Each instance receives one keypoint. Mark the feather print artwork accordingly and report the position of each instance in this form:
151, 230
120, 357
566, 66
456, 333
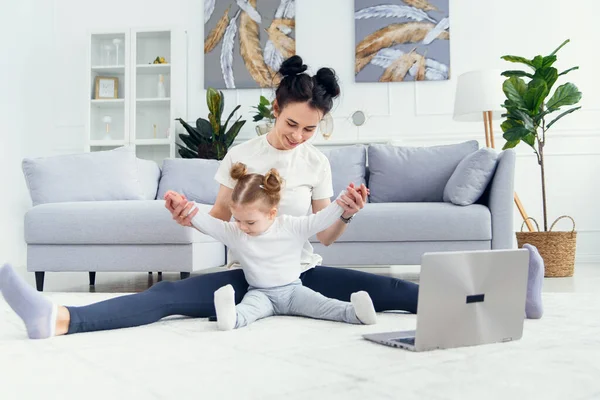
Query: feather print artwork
401, 40
209, 7
251, 50
435, 32
286, 9
215, 36
227, 53
393, 11
273, 57
251, 11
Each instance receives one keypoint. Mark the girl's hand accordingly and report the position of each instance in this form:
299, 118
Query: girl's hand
180, 208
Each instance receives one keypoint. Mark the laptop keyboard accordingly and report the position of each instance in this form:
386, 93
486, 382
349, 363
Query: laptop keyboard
405, 340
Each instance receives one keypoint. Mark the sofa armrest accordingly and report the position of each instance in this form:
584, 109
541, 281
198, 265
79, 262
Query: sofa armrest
501, 199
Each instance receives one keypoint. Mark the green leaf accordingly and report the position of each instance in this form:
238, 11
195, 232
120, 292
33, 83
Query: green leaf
205, 128
537, 62
221, 105
549, 74
523, 117
517, 59
189, 142
565, 95
510, 124
193, 132
568, 70
537, 90
257, 117
213, 100
510, 144
264, 101
186, 153
529, 139
224, 127
514, 89
516, 73
233, 132
516, 134
562, 115
548, 61
559, 47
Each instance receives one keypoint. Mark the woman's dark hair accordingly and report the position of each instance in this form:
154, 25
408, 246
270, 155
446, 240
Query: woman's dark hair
296, 86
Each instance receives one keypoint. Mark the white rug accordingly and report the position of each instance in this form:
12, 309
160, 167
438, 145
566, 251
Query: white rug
295, 358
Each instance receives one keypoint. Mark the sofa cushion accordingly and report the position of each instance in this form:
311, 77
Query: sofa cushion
413, 174
149, 175
348, 164
192, 177
471, 177
417, 222
95, 176
108, 222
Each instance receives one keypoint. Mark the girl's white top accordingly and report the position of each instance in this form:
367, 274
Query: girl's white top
273, 258
306, 173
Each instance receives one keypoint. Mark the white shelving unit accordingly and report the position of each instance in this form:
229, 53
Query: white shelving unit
139, 116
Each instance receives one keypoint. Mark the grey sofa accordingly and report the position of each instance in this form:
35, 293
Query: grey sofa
130, 230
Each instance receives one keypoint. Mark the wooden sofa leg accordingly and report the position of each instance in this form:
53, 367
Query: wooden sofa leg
184, 275
39, 281
92, 278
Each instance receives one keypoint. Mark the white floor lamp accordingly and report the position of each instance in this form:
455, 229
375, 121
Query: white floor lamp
479, 97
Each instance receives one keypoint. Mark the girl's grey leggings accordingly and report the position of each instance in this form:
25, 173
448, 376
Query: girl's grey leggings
292, 299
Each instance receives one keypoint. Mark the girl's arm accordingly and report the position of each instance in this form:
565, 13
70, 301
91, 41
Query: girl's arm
225, 232
310, 225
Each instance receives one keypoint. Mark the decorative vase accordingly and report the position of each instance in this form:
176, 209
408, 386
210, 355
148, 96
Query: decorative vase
556, 248
161, 91
263, 128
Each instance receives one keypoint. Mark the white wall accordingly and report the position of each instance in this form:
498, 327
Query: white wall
413, 113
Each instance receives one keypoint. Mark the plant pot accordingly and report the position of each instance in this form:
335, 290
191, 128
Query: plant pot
556, 248
263, 128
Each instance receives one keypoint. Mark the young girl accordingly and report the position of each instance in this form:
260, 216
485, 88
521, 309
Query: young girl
269, 247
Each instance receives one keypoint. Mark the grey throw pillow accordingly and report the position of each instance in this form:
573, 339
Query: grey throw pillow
95, 176
192, 177
149, 174
413, 174
348, 164
471, 177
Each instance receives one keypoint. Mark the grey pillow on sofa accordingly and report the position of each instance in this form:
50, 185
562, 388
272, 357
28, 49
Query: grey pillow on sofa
471, 177
94, 176
192, 177
348, 164
413, 174
149, 175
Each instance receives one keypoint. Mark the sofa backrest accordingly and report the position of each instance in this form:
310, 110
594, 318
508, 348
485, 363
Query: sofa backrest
348, 164
413, 174
95, 176
192, 177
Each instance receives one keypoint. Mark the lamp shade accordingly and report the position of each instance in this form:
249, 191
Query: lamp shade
479, 91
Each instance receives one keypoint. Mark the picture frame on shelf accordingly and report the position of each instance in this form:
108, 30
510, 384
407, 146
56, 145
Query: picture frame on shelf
106, 87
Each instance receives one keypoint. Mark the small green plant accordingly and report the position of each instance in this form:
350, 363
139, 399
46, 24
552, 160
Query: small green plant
527, 106
264, 110
210, 139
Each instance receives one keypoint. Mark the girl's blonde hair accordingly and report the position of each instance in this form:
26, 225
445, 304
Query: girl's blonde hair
256, 187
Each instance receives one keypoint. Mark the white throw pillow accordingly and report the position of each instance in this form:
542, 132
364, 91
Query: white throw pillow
94, 176
471, 177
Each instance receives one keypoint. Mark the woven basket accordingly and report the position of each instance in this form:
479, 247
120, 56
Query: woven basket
556, 248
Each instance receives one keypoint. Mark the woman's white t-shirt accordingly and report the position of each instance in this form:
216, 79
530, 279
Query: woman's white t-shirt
306, 173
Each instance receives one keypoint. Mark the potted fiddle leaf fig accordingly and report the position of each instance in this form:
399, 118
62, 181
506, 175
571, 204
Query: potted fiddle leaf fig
210, 138
532, 108
264, 110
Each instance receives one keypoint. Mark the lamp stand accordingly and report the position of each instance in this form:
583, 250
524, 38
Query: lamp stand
489, 142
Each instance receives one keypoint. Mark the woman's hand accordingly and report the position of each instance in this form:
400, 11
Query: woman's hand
354, 200
180, 208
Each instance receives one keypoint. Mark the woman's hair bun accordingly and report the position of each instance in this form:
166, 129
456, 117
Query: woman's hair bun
292, 66
326, 77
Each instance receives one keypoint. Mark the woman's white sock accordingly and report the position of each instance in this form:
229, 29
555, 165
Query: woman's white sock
37, 312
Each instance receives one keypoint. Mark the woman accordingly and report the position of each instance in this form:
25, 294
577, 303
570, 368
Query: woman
301, 102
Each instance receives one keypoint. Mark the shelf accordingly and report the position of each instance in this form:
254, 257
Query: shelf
153, 68
157, 100
103, 143
152, 142
109, 69
107, 103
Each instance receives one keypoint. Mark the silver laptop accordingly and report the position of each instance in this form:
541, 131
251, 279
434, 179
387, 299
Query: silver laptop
466, 298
